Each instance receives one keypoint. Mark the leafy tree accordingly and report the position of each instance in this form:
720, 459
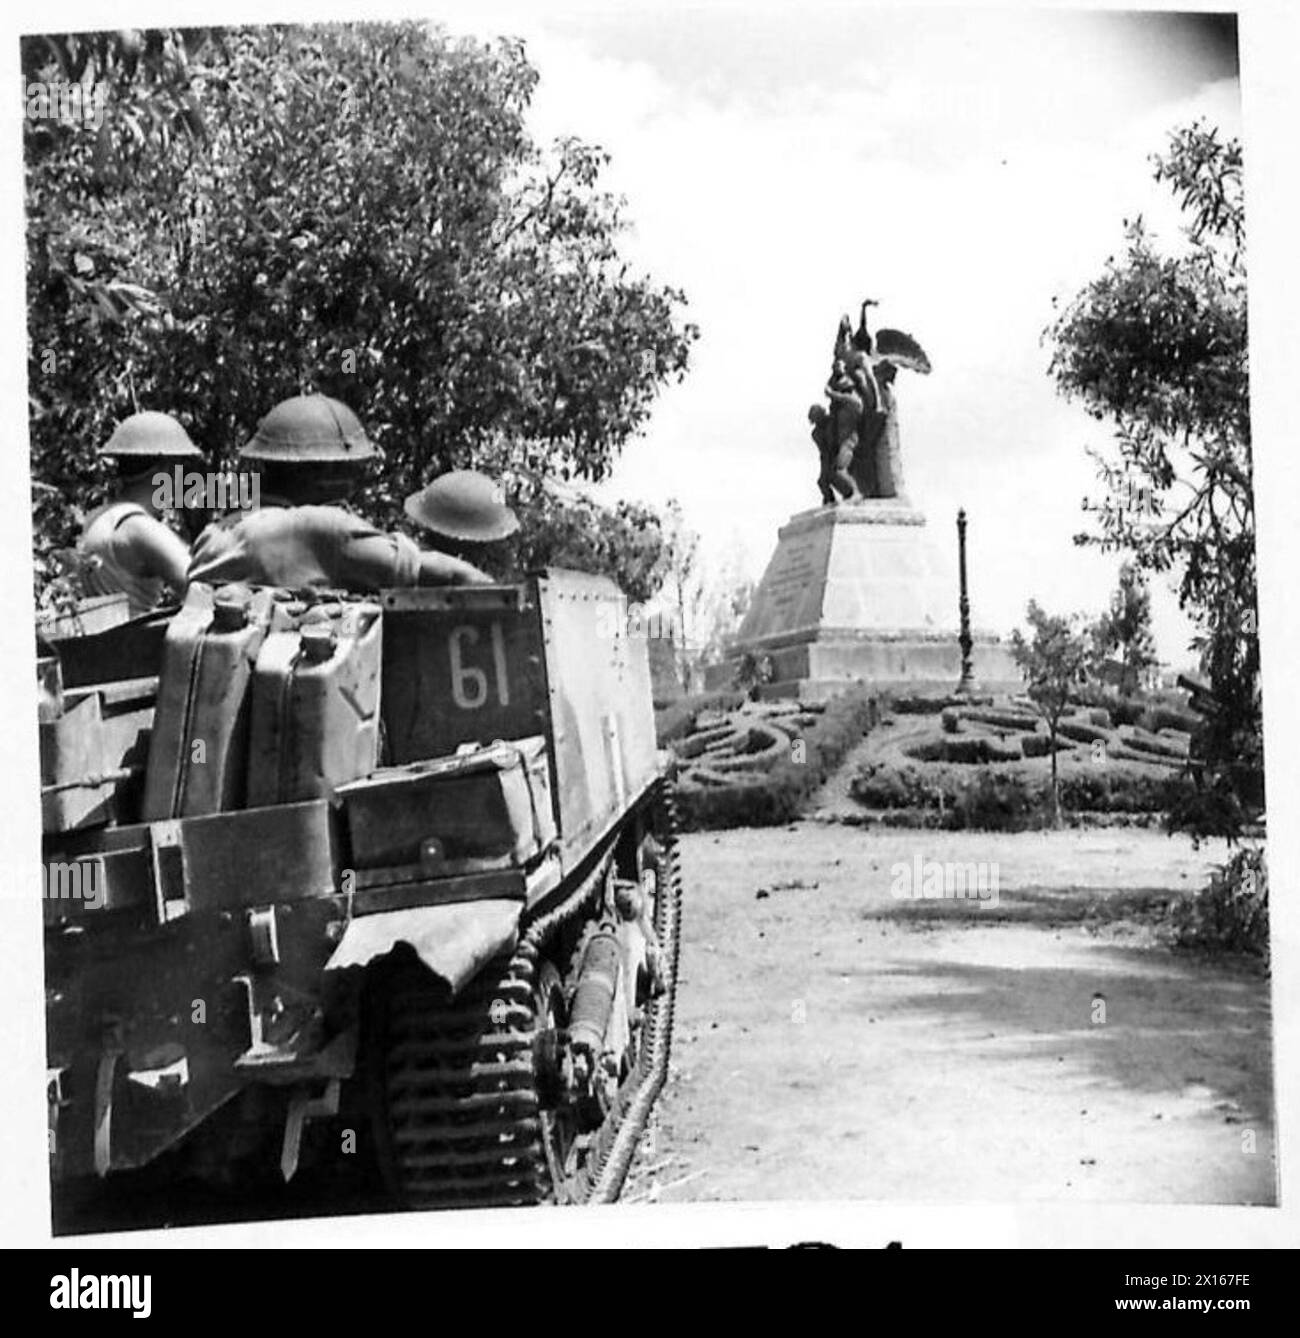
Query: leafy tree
624, 541
358, 210
1125, 629
1052, 660
734, 596
686, 588
1156, 346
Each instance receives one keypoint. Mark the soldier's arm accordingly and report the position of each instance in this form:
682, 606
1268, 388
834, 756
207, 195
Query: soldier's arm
440, 569
155, 550
370, 560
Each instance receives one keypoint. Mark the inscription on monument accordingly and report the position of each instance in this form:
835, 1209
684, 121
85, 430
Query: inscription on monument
789, 584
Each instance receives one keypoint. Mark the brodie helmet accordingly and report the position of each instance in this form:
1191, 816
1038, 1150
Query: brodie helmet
463, 505
310, 428
150, 435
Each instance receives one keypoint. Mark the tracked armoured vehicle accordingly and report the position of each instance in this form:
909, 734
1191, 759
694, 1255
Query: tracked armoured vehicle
390, 876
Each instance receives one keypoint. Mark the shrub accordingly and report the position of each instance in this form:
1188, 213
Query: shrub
779, 796
924, 705
842, 726
703, 740
1080, 732
1039, 745
758, 747
1122, 710
1142, 742
678, 720
740, 804
886, 787
1231, 912
950, 720
1086, 790
1158, 718
1017, 720
999, 802
1136, 792
753, 670
1207, 808
966, 751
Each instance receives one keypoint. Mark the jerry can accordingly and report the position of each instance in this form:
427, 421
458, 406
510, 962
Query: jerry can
199, 747
315, 712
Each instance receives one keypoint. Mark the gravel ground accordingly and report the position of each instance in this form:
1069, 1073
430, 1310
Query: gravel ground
836, 1042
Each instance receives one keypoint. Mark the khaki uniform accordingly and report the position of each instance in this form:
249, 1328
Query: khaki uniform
298, 547
111, 537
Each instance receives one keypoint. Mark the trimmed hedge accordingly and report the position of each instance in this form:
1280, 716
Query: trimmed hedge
678, 720
1000, 800
923, 705
1079, 732
1123, 710
779, 796
886, 787
1019, 720
1159, 718
1143, 742
968, 751
1039, 745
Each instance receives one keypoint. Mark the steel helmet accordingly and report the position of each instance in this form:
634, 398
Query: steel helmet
150, 435
310, 428
463, 505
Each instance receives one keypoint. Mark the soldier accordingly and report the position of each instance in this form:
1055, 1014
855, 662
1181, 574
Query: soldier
132, 550
462, 511
311, 452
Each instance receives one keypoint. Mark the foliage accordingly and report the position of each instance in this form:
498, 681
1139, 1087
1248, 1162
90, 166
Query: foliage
676, 721
1157, 347
684, 587
753, 670
358, 210
1231, 911
969, 751
780, 795
1039, 745
1052, 661
1125, 629
995, 802
923, 705
1001, 798
624, 541
1118, 709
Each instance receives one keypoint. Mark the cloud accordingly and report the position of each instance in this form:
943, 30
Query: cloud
962, 168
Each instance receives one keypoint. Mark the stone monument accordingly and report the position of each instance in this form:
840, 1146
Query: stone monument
855, 590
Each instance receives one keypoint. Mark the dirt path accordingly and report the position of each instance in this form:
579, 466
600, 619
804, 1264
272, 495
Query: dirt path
835, 1042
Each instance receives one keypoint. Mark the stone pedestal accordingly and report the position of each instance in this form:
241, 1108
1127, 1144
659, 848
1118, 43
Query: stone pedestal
856, 592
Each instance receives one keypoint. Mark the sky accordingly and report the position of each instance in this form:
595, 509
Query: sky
964, 167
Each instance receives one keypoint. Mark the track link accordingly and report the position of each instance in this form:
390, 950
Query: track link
463, 1081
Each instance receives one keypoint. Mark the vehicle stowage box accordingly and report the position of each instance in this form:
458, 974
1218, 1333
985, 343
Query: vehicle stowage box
315, 708
483, 806
198, 750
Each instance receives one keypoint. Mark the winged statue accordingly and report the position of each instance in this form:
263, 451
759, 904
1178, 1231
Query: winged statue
857, 435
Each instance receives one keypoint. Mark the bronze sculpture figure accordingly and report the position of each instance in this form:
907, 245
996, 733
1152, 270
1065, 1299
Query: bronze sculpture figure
857, 437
